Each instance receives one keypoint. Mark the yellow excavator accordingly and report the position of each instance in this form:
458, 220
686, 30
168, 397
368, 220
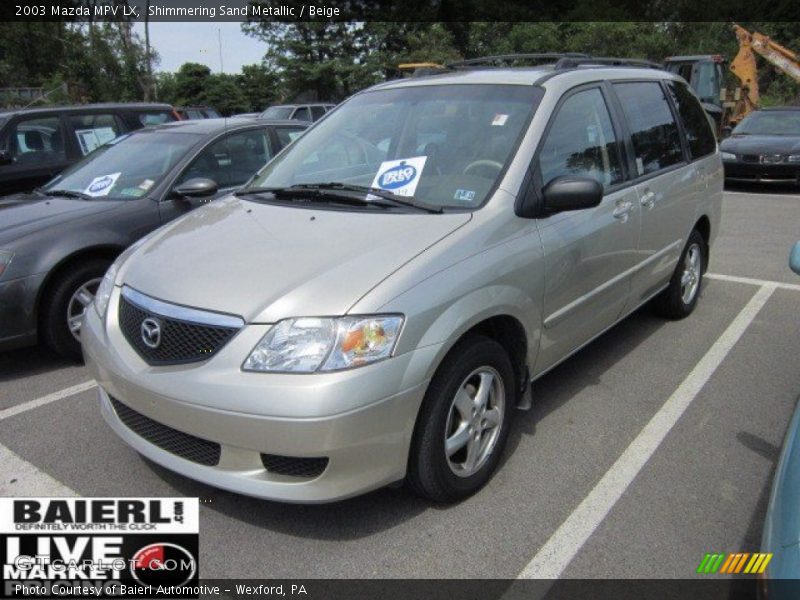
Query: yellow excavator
706, 76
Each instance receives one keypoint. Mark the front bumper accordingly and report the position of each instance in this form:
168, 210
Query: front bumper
18, 311
739, 170
356, 419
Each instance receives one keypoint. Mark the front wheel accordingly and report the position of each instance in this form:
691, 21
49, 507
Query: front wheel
680, 298
70, 296
463, 423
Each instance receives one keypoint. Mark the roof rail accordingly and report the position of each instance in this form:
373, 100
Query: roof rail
572, 62
490, 61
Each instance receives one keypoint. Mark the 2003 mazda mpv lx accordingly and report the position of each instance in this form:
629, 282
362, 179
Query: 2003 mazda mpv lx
375, 303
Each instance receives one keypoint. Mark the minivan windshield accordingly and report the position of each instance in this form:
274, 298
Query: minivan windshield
126, 167
778, 122
445, 145
277, 112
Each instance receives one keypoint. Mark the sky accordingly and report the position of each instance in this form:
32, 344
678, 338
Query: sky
178, 43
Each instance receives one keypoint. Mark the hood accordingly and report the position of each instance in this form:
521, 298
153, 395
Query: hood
761, 144
22, 214
265, 262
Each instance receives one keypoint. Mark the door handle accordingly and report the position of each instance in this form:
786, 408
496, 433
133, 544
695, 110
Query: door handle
649, 199
621, 211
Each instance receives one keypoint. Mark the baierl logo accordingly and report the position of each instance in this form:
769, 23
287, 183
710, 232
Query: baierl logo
397, 177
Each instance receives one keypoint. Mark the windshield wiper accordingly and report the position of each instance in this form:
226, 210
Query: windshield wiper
305, 194
372, 191
65, 193
341, 192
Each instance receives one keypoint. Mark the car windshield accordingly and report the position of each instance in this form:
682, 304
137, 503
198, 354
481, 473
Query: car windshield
445, 145
277, 112
779, 122
126, 167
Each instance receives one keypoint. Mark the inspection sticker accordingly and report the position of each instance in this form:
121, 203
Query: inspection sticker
400, 176
101, 186
499, 120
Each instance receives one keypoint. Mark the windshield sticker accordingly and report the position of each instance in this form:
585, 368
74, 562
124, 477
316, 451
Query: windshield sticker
464, 195
132, 192
146, 184
400, 176
101, 186
499, 120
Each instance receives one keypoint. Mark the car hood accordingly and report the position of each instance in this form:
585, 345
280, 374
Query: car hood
265, 262
22, 214
761, 144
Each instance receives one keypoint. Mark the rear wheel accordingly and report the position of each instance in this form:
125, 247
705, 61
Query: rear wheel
680, 298
463, 423
69, 297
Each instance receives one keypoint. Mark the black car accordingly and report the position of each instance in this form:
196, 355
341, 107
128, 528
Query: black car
765, 146
57, 242
37, 144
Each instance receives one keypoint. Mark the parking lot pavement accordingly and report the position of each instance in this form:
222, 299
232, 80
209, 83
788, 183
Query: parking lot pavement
650, 447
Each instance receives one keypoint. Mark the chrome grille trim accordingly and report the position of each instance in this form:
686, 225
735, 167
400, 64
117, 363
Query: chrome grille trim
179, 312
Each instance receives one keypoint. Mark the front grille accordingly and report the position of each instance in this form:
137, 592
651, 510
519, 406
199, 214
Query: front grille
180, 341
294, 466
178, 443
751, 158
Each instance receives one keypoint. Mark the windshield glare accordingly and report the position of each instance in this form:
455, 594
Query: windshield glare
779, 122
126, 167
445, 145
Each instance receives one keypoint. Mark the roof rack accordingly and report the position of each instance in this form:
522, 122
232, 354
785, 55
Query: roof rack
560, 60
497, 60
572, 62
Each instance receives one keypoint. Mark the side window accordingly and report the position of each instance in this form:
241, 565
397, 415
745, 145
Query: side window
317, 111
302, 114
154, 118
232, 160
581, 141
92, 131
36, 142
656, 142
699, 134
286, 135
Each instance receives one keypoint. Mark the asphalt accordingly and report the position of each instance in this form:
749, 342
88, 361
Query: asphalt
704, 488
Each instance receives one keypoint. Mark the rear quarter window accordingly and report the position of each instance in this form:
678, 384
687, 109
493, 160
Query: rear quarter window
699, 135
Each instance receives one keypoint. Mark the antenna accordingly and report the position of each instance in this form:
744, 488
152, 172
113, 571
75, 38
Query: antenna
219, 37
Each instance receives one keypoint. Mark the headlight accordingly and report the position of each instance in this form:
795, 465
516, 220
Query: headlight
104, 290
728, 156
106, 286
793, 158
5, 260
308, 344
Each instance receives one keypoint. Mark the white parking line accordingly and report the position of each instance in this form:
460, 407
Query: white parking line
20, 478
555, 555
59, 395
750, 281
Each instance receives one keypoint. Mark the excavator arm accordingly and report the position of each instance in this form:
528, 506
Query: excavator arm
745, 68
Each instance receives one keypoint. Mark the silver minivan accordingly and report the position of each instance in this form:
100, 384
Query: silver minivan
374, 305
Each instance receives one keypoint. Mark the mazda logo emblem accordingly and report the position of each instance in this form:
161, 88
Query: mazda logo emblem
151, 333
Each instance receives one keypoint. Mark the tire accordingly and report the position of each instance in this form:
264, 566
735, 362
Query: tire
54, 329
432, 473
678, 300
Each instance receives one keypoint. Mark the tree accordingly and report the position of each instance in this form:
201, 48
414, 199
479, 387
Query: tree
261, 86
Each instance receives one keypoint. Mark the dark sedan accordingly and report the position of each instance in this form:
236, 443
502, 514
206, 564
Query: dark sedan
765, 146
56, 243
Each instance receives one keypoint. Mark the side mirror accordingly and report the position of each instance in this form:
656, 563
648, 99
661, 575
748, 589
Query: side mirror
197, 187
5, 158
571, 193
794, 259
